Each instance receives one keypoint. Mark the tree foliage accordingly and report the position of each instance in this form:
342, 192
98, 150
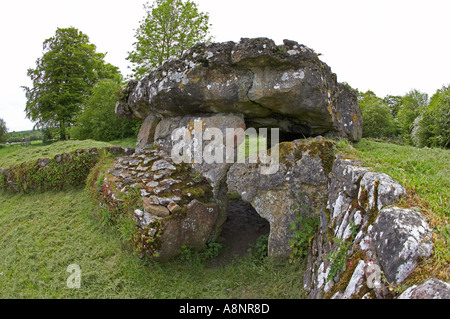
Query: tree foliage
378, 121
3, 131
98, 120
394, 102
169, 28
432, 127
63, 79
31, 135
412, 104
413, 118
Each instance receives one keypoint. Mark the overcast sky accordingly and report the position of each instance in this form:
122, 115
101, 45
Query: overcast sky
388, 46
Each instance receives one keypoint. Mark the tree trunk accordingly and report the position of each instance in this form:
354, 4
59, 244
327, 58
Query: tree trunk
62, 131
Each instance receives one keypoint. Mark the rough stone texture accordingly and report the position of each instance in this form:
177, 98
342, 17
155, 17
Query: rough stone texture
284, 86
355, 282
355, 196
156, 210
400, 237
197, 128
301, 180
192, 229
378, 190
431, 289
182, 204
194, 131
147, 132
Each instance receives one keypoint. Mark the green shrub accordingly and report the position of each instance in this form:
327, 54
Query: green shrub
432, 127
412, 103
98, 120
304, 229
378, 121
69, 170
259, 249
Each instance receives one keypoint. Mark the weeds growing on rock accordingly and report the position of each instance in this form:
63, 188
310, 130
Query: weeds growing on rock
303, 228
338, 257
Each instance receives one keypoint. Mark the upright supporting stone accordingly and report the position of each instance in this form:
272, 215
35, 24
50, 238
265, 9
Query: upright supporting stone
147, 132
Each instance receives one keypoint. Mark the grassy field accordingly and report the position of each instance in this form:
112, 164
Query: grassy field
426, 171
16, 154
42, 234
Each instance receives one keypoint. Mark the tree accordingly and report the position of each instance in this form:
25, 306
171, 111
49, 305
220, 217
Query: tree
3, 131
377, 120
98, 120
432, 127
394, 102
63, 79
412, 104
169, 28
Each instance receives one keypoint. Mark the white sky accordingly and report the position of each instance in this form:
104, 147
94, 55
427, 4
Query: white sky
387, 46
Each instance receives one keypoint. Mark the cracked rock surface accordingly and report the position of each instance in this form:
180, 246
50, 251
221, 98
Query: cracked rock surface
284, 86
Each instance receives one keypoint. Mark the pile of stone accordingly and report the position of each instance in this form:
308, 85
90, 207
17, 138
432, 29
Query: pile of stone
174, 194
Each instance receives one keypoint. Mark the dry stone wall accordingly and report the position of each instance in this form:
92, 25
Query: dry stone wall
67, 169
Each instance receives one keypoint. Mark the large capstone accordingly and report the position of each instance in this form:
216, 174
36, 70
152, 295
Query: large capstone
283, 86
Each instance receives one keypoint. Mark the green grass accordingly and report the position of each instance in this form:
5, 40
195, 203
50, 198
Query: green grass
17, 154
42, 234
126, 142
426, 171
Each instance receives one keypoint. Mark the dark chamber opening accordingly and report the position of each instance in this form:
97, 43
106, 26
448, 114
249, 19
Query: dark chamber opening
242, 228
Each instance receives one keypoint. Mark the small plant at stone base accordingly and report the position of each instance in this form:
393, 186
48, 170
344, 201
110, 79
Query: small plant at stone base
304, 228
145, 239
259, 249
304, 233
338, 258
196, 256
212, 250
344, 146
186, 254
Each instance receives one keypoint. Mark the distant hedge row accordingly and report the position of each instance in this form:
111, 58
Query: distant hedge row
68, 169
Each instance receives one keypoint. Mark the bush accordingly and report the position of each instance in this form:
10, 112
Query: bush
58, 173
303, 229
98, 120
432, 127
378, 121
3, 131
62, 171
412, 105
